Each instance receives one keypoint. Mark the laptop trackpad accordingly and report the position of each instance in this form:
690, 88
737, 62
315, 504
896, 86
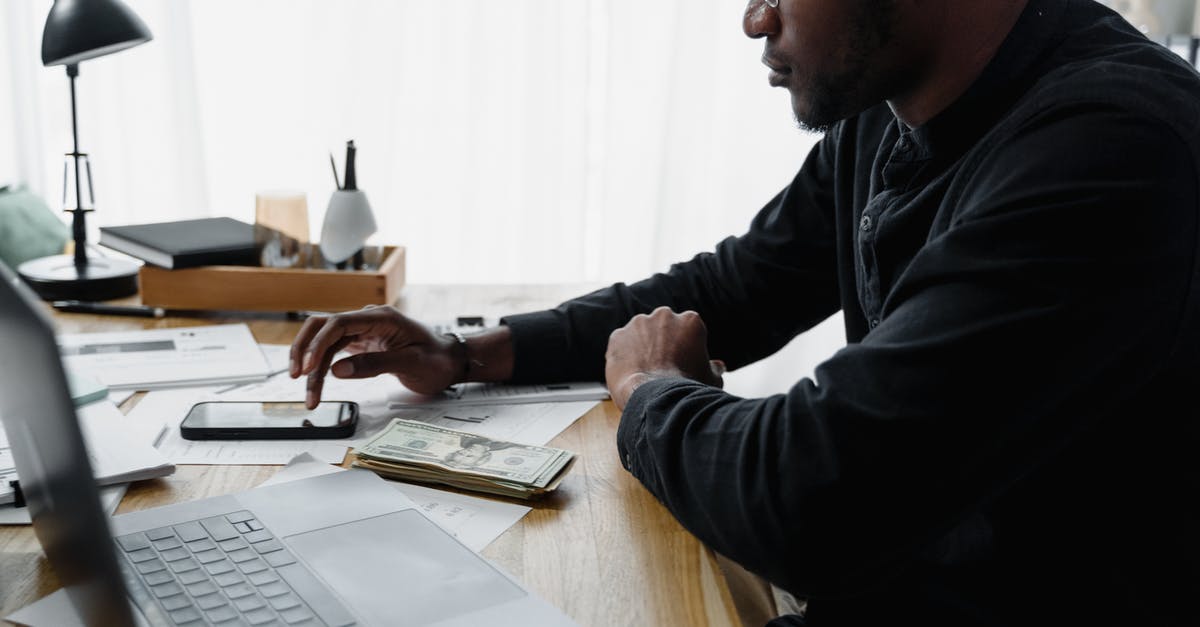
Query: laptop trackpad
401, 569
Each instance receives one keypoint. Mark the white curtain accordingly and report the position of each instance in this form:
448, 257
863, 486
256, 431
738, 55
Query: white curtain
501, 141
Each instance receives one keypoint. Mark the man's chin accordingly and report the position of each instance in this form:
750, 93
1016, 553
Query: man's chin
809, 117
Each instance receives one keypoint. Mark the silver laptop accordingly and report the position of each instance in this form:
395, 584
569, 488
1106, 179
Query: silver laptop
339, 549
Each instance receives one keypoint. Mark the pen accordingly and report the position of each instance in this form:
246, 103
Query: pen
351, 178
333, 165
82, 306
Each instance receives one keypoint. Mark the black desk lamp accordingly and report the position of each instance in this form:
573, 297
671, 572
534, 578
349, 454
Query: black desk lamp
78, 30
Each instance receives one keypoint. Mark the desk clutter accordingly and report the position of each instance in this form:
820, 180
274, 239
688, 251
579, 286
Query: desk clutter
226, 264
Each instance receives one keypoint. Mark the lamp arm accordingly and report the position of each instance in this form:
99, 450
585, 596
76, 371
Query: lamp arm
78, 225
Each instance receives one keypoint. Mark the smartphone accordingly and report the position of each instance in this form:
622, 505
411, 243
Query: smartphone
238, 420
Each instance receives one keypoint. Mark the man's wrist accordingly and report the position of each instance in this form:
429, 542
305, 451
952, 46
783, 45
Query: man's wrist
487, 355
629, 384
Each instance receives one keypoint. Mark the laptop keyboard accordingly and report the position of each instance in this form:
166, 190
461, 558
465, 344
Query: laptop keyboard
223, 570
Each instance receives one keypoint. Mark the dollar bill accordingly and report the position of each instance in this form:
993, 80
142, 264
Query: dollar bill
428, 451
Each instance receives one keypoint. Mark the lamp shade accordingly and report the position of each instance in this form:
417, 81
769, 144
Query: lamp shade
78, 30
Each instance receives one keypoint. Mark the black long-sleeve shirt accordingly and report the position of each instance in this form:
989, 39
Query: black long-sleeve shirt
1011, 435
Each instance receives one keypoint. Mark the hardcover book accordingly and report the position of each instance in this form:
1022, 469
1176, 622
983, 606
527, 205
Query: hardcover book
186, 243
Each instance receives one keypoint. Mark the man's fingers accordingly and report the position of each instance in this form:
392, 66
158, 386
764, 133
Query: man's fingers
366, 365
300, 343
316, 378
335, 329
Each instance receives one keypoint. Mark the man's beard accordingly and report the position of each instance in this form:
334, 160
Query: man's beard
862, 82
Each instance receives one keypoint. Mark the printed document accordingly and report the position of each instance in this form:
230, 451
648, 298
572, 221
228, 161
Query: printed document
158, 358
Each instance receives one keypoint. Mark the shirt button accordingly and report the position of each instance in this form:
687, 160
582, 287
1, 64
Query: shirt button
874, 322
865, 223
903, 144
628, 460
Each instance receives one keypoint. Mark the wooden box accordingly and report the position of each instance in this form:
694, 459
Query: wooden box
250, 288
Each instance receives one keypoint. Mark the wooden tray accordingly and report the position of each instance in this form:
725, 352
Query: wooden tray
249, 288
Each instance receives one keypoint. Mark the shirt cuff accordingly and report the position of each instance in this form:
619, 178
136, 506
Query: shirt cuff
633, 446
539, 346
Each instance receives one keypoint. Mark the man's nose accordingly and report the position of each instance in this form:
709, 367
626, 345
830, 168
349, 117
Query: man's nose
760, 20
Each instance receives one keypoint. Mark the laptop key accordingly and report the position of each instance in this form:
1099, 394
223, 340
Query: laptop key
279, 558
318, 597
262, 535
201, 545
253, 566
228, 579
209, 557
174, 554
141, 555
295, 615
219, 567
210, 601
274, 589
242, 555
185, 615
190, 577
219, 528
247, 603
233, 544
284, 602
201, 588
151, 566
175, 602
268, 546
242, 527
190, 531
263, 577
158, 577
254, 525
166, 589
238, 517
221, 614
259, 616
133, 542
238, 590
161, 533
169, 542
182, 566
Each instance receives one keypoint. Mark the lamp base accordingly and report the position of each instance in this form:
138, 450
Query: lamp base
58, 278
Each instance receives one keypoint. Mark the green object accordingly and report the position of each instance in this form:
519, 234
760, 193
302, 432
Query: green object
28, 228
84, 388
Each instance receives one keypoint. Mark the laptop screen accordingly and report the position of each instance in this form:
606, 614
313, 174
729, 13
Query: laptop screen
47, 447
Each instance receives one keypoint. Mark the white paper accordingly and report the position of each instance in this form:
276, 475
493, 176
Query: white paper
55, 609
532, 423
110, 498
121, 448
474, 521
494, 393
157, 358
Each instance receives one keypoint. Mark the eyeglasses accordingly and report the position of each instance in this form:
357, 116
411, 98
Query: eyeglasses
774, 4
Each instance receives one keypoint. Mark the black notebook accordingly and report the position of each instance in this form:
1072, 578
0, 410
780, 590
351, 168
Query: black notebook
186, 243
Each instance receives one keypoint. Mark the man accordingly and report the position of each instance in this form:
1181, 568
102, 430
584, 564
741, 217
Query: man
1004, 208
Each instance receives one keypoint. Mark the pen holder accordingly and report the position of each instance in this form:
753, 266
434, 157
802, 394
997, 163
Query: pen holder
348, 224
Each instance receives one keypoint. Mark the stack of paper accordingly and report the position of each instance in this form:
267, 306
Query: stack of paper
122, 449
424, 453
158, 358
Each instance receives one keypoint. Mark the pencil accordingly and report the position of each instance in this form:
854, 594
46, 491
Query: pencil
334, 167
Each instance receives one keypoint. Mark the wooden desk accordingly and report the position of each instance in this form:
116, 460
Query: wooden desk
601, 549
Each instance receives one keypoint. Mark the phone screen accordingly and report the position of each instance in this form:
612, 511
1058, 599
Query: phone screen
235, 415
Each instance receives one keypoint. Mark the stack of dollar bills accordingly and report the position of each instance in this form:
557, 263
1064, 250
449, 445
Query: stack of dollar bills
416, 451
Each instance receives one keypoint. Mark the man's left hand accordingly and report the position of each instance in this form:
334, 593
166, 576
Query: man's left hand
661, 344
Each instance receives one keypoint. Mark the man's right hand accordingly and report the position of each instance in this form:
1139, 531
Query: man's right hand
382, 340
